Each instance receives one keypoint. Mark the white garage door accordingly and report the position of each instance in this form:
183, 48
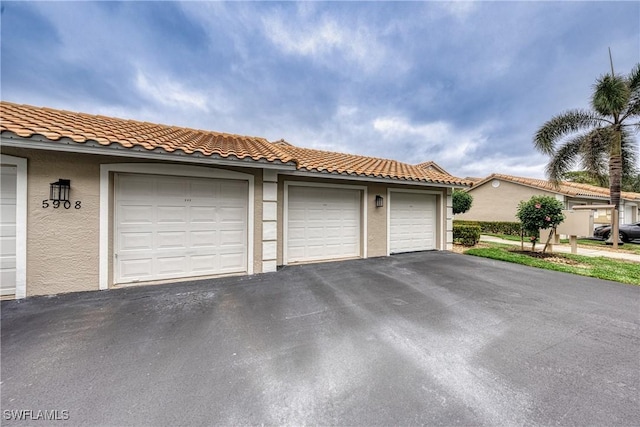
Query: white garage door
8, 180
322, 223
175, 227
629, 216
412, 222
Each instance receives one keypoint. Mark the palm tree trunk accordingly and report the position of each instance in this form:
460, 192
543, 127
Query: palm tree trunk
615, 179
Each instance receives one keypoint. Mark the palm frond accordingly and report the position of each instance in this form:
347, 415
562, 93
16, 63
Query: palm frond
594, 153
633, 105
564, 158
634, 78
629, 146
610, 96
562, 125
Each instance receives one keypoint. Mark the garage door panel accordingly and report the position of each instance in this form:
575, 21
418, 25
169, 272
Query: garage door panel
203, 263
205, 214
313, 232
136, 268
165, 213
296, 235
171, 240
234, 190
205, 238
171, 265
412, 222
204, 190
322, 223
135, 214
350, 231
231, 237
296, 214
230, 262
171, 188
7, 278
8, 213
229, 214
137, 187
133, 241
182, 229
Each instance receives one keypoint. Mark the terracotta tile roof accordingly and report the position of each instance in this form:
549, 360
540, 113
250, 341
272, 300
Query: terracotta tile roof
431, 165
27, 121
567, 188
350, 164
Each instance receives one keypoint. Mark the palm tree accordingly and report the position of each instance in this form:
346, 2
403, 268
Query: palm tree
602, 139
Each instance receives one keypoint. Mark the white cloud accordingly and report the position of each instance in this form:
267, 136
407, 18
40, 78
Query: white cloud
459, 9
439, 139
532, 166
329, 40
169, 92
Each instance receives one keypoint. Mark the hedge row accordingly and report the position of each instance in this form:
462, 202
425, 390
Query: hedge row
493, 227
467, 235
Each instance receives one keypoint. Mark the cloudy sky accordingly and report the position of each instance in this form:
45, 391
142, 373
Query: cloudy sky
463, 84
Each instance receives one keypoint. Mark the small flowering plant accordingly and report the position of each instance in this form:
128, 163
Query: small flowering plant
539, 212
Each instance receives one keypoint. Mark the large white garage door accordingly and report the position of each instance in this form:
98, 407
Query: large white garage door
412, 222
173, 227
8, 230
322, 223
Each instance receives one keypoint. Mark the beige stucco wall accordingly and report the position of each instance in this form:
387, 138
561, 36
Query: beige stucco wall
63, 244
498, 204
376, 217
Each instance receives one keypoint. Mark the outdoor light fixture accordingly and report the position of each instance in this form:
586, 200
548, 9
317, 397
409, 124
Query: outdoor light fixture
379, 201
59, 191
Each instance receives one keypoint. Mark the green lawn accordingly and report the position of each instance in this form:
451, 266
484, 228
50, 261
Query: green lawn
599, 267
627, 247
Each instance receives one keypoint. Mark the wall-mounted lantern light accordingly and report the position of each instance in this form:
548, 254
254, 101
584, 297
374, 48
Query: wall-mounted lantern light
60, 190
379, 201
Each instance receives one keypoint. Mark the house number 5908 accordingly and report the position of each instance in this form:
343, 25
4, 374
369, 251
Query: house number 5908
57, 203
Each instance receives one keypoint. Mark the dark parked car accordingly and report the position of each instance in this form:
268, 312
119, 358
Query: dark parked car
628, 232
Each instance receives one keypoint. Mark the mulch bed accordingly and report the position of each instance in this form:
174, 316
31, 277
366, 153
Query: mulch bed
550, 257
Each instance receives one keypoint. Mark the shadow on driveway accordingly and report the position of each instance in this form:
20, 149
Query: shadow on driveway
425, 338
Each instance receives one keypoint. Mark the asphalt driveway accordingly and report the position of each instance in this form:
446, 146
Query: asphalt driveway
430, 338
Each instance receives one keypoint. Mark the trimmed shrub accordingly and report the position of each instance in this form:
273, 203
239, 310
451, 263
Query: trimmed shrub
461, 201
494, 227
467, 235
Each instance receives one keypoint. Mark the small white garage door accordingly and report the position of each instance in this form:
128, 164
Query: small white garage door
8, 181
629, 214
174, 227
322, 223
412, 222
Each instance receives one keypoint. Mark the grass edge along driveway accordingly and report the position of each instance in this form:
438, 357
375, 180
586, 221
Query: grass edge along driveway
599, 267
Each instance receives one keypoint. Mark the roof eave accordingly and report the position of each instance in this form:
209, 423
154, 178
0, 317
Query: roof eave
369, 178
37, 142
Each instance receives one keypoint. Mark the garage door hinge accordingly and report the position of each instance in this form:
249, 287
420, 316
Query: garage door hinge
115, 255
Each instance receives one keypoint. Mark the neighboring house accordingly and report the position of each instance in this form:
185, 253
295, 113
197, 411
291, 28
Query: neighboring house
152, 203
496, 198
